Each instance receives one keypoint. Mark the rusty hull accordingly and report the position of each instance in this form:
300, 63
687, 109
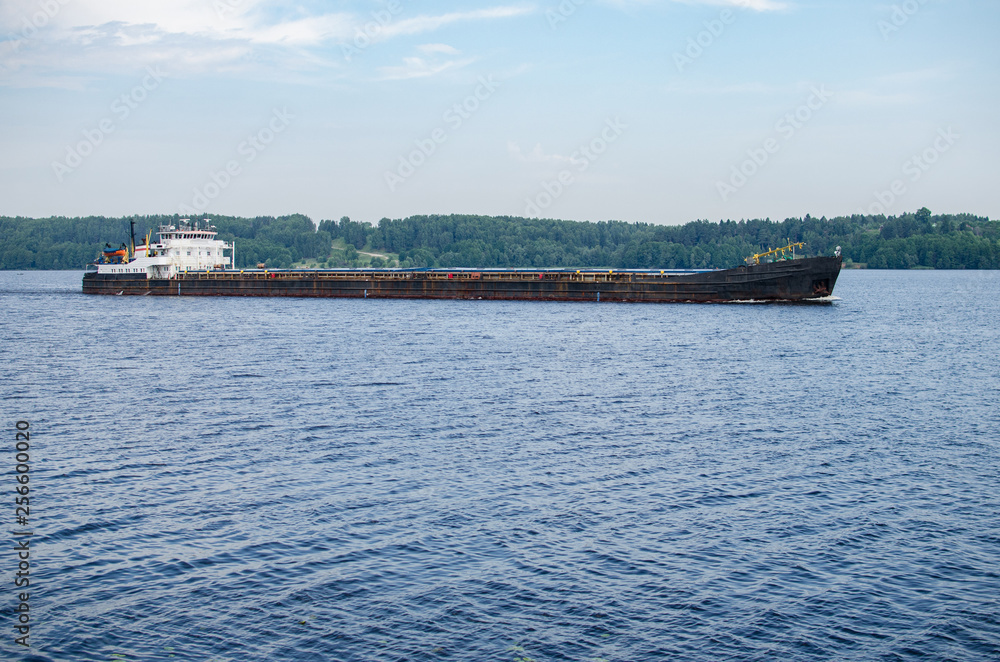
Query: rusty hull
789, 280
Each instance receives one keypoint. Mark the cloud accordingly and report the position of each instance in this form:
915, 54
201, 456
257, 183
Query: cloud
434, 60
870, 98
755, 5
256, 20
438, 48
421, 24
899, 88
311, 31
749, 87
418, 67
536, 155
101, 37
179, 17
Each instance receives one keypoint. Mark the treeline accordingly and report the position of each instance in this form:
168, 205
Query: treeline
70, 243
920, 239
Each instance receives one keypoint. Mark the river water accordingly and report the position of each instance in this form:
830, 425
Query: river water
230, 479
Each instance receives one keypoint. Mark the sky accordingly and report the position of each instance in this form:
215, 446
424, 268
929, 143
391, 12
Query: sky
659, 111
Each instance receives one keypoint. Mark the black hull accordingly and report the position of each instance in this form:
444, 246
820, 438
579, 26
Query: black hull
789, 280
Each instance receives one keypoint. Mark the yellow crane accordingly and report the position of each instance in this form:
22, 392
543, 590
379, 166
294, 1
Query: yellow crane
755, 259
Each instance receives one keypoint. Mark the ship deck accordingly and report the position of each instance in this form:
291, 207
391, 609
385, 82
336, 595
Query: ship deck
784, 280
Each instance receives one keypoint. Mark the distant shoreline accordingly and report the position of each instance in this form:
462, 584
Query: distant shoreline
911, 240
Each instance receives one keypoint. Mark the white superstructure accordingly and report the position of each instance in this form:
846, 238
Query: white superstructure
183, 247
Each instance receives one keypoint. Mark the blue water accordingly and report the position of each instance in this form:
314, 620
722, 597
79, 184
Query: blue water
229, 479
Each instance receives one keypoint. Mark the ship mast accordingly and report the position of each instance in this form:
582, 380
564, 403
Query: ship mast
131, 254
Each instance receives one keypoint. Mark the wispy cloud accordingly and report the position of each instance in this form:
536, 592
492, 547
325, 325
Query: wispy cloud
536, 155
684, 87
755, 5
420, 67
310, 31
95, 37
420, 24
438, 48
874, 98
900, 88
229, 19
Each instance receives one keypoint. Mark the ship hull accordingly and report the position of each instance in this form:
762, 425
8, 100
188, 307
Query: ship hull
788, 280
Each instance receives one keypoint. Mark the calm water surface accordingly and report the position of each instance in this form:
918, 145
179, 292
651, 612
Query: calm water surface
231, 479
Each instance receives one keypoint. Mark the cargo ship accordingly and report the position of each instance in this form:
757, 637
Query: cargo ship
188, 260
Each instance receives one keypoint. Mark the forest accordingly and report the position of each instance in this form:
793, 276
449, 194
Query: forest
911, 240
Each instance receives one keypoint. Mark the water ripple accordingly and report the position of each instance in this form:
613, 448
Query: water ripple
240, 479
